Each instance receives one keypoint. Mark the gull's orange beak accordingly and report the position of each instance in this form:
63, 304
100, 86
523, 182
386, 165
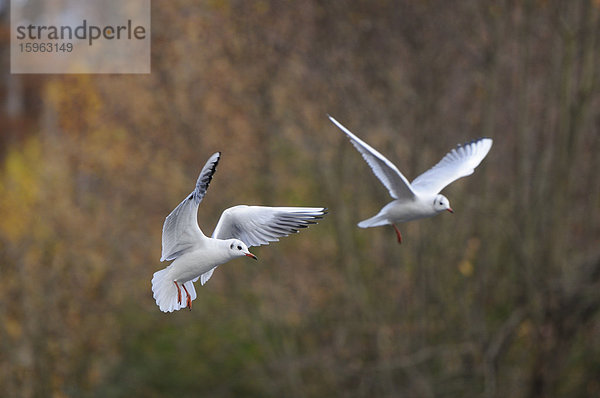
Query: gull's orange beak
450, 210
251, 255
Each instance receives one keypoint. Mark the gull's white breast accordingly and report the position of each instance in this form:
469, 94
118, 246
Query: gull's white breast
194, 263
399, 211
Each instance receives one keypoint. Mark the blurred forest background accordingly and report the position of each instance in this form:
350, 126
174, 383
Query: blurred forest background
502, 299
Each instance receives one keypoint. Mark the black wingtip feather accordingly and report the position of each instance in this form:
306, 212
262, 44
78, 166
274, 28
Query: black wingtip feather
205, 182
474, 141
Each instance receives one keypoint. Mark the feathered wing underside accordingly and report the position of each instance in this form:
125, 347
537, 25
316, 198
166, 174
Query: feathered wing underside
459, 162
260, 225
206, 276
384, 170
180, 230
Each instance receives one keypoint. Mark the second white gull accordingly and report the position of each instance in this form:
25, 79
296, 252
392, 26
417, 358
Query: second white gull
419, 198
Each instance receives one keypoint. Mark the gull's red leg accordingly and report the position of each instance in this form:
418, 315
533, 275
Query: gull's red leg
178, 292
398, 233
189, 299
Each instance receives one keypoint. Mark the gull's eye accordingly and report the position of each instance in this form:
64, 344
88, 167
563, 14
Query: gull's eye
239, 247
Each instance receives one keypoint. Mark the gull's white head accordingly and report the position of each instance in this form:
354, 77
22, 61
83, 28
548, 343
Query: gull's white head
237, 248
441, 203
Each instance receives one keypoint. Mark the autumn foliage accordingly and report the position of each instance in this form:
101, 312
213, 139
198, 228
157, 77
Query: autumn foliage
502, 299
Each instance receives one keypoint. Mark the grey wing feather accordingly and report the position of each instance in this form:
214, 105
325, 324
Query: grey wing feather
459, 162
389, 175
206, 276
180, 230
260, 225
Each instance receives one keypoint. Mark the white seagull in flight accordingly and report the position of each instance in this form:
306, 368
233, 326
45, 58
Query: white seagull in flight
421, 198
196, 256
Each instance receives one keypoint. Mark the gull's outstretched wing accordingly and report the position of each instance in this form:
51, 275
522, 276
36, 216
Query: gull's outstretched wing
181, 230
259, 225
386, 171
459, 162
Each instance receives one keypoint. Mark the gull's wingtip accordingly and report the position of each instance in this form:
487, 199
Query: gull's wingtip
482, 144
487, 143
320, 212
343, 128
334, 121
476, 141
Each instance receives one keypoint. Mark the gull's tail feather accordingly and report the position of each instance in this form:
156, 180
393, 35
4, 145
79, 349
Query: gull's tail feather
166, 294
375, 221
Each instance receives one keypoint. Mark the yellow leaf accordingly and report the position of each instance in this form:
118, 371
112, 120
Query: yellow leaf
466, 268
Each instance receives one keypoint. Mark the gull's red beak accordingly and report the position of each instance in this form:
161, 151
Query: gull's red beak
450, 210
251, 255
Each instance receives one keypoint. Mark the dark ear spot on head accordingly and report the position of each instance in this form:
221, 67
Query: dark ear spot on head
231, 246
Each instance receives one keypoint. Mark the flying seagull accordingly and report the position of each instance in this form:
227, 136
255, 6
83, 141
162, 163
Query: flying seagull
421, 198
196, 256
